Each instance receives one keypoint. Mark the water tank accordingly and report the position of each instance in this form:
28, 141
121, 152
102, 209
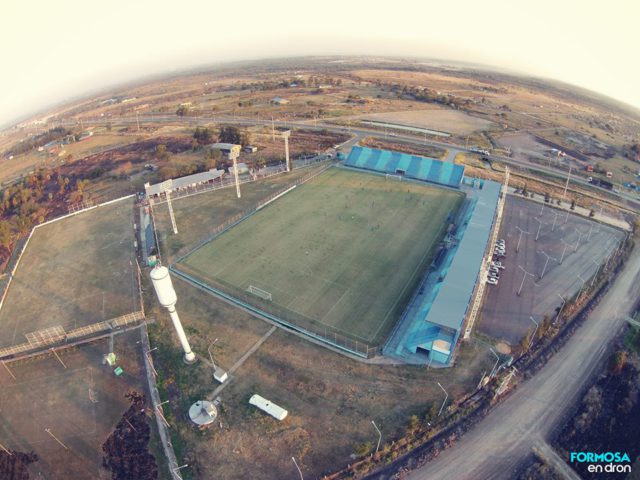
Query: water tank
163, 286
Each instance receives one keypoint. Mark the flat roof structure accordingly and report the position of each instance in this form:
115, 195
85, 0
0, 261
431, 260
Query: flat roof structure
411, 166
434, 319
182, 182
450, 306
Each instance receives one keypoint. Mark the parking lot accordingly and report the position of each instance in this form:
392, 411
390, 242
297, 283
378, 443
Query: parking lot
506, 315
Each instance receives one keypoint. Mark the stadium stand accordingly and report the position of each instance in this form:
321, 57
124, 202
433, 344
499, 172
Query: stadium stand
411, 166
436, 317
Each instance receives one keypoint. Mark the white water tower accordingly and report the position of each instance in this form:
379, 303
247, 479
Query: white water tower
168, 298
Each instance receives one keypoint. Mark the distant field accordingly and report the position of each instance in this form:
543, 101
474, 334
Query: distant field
20, 164
449, 121
74, 272
341, 251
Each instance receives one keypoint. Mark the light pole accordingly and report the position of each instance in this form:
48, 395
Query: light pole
590, 230
561, 307
445, 398
533, 337
524, 276
175, 470
584, 282
211, 356
597, 270
296, 464
379, 435
555, 217
546, 262
566, 217
520, 238
542, 209
539, 227
578, 241
495, 364
563, 250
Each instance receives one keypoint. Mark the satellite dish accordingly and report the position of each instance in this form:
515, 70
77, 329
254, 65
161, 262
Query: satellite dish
203, 413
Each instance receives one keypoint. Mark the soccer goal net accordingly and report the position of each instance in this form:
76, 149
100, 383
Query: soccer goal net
391, 176
260, 293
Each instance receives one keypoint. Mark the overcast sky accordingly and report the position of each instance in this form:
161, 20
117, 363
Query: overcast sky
52, 50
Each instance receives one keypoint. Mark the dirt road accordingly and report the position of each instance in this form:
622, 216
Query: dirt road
495, 447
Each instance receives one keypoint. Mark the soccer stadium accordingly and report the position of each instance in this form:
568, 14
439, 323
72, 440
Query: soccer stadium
380, 254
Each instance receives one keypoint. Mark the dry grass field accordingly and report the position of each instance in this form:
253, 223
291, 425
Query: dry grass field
449, 121
331, 399
74, 272
80, 403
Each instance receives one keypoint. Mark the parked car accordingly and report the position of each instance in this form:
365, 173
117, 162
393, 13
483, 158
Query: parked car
492, 281
497, 265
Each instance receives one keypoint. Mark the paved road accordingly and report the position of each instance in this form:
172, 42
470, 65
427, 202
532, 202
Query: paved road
495, 447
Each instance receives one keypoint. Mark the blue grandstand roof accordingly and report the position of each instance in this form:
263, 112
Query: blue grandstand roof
450, 305
419, 168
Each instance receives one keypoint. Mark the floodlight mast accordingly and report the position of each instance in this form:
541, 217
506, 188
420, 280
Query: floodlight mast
233, 155
168, 298
286, 134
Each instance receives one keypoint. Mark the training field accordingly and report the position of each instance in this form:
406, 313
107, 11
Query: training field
74, 272
341, 252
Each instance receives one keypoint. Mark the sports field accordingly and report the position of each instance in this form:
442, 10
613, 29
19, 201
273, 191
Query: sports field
74, 272
342, 252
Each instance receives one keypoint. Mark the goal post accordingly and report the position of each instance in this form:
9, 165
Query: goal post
258, 292
391, 176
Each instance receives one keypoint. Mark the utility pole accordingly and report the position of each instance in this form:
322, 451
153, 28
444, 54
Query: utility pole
273, 130
566, 185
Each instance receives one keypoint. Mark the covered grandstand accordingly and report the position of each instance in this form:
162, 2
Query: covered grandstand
431, 324
410, 166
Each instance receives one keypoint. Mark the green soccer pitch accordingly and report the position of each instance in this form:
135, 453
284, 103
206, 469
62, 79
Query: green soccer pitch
342, 252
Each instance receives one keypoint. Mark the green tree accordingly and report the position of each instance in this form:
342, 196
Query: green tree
23, 224
161, 152
230, 134
6, 236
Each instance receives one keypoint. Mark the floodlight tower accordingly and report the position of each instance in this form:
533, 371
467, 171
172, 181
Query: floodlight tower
286, 134
234, 153
168, 298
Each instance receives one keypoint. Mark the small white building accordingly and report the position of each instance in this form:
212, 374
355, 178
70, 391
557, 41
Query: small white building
226, 148
250, 149
266, 406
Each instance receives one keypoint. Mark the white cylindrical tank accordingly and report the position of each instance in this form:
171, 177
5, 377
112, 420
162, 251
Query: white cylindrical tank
163, 286
168, 298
